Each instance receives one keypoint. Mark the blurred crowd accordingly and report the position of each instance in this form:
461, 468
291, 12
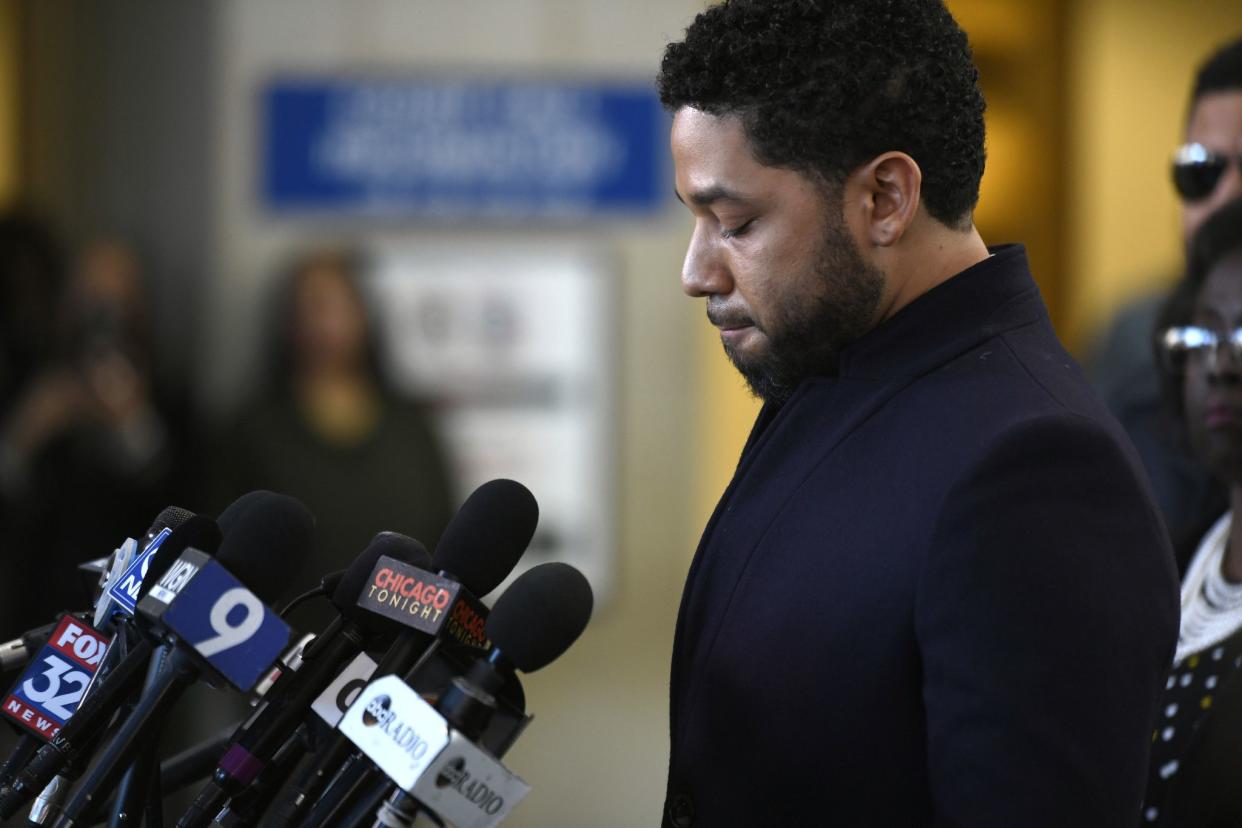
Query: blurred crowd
94, 442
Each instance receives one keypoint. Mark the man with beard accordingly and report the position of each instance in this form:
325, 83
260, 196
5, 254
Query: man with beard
937, 590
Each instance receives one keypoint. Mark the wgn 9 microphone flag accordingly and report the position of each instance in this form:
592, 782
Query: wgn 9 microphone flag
227, 625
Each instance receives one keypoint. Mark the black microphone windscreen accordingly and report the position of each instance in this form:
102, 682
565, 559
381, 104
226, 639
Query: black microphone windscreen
394, 545
172, 517
240, 508
540, 615
267, 536
482, 543
197, 531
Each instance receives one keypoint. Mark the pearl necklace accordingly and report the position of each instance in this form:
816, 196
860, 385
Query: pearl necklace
1211, 606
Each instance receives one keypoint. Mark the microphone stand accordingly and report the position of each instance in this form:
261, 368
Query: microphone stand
194, 763
467, 705
354, 778
125, 742
248, 807
139, 792
49, 804
22, 753
373, 801
132, 794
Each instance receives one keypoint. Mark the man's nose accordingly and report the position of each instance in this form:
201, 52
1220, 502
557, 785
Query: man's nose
704, 272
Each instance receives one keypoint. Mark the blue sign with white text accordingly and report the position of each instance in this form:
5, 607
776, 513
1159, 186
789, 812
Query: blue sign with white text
464, 148
125, 591
228, 625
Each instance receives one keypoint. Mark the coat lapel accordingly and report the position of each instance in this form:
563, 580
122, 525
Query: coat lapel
777, 459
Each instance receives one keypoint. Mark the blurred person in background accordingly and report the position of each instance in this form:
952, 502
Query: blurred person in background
31, 272
328, 429
91, 448
1207, 172
1197, 747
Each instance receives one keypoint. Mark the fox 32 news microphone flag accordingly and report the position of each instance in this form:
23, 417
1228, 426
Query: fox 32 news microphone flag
56, 679
48, 692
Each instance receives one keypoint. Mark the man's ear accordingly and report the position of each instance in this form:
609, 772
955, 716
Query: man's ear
887, 189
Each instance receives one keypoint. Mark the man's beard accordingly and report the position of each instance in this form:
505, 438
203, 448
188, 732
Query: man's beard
809, 332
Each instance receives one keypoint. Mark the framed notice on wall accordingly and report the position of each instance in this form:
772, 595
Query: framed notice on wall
458, 147
516, 349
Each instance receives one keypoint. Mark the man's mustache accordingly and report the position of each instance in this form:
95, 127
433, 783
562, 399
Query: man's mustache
723, 316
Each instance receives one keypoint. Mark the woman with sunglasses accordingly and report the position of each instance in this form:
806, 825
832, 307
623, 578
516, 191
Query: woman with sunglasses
1197, 745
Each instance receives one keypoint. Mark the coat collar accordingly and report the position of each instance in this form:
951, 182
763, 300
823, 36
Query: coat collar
994, 295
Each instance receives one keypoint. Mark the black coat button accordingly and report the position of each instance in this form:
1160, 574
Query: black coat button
680, 809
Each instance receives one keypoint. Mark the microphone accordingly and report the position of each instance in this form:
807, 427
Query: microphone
123, 583
255, 743
68, 661
115, 677
231, 645
537, 618
16, 652
196, 599
478, 549
483, 541
533, 623
28, 704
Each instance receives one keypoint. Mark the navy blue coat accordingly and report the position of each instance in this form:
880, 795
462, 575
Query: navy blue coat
936, 592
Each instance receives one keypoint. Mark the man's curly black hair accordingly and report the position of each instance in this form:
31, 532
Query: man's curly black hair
823, 86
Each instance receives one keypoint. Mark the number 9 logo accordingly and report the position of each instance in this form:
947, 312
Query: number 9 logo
230, 635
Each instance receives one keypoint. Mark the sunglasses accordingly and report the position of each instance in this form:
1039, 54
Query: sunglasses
1181, 344
1197, 170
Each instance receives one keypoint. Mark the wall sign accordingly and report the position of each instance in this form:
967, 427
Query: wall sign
453, 148
516, 348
